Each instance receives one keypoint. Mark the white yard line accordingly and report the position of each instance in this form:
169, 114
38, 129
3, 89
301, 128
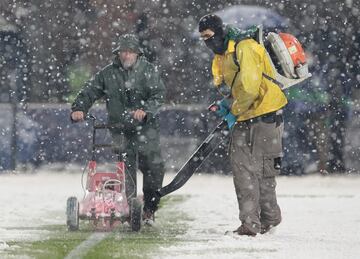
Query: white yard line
81, 250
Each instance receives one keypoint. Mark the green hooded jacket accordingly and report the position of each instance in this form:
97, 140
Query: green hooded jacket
124, 91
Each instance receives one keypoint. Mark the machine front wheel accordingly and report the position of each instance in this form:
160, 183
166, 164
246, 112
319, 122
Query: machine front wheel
72, 214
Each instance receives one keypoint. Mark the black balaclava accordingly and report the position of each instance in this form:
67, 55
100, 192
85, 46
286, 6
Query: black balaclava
216, 42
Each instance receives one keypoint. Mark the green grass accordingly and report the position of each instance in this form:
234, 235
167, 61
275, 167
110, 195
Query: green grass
170, 226
121, 243
56, 245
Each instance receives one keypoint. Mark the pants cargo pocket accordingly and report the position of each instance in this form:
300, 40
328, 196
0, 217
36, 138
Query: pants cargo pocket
272, 166
267, 139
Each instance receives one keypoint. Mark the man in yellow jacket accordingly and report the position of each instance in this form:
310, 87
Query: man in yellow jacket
243, 74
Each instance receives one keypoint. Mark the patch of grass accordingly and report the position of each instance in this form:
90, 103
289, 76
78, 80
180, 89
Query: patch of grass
121, 243
170, 226
56, 245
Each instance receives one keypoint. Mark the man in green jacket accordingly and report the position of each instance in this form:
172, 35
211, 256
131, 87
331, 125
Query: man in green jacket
134, 92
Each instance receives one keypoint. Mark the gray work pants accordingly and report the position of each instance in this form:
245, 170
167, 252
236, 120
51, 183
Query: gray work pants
255, 148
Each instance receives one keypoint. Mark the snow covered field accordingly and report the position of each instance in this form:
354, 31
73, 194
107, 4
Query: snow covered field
321, 219
321, 215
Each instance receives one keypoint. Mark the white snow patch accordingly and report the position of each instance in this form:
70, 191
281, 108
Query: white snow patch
3, 245
34, 200
321, 219
321, 215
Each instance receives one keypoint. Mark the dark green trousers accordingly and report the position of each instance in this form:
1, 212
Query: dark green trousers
142, 152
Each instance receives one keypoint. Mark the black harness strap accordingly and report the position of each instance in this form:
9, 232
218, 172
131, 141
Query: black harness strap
234, 56
273, 80
237, 64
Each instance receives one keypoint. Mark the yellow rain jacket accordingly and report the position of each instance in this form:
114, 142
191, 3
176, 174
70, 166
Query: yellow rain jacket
253, 94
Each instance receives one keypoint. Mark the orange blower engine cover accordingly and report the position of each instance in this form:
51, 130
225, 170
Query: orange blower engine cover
294, 47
